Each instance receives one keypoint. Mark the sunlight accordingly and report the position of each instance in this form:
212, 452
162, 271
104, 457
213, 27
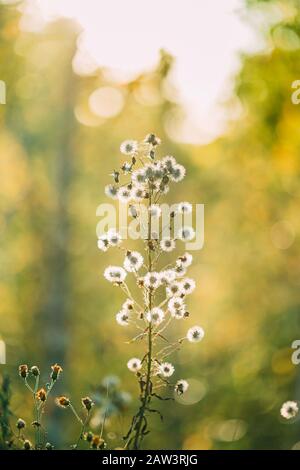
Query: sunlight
127, 36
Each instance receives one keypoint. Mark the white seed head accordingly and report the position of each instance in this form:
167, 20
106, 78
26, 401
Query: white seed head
188, 285
152, 280
122, 318
181, 386
166, 369
134, 364
115, 274
155, 210
169, 162
133, 261
128, 305
186, 233
124, 194
289, 409
177, 173
113, 237
176, 304
155, 316
184, 208
195, 334
174, 289
167, 276
129, 147
185, 260
167, 244
111, 191
102, 243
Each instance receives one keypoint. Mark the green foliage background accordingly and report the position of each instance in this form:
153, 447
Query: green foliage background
55, 305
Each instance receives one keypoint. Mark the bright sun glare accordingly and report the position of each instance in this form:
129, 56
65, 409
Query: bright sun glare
204, 36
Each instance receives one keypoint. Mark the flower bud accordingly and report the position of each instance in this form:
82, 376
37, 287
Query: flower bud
41, 394
20, 423
63, 402
23, 371
27, 445
56, 370
35, 371
87, 402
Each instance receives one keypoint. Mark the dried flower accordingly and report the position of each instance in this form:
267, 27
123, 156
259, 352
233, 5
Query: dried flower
87, 403
129, 147
289, 409
133, 261
111, 191
152, 139
34, 370
88, 436
27, 445
167, 244
195, 334
134, 364
56, 371
152, 280
124, 195
174, 289
188, 285
63, 402
113, 237
115, 274
23, 371
103, 243
41, 395
122, 318
20, 423
155, 210
166, 369
185, 260
184, 208
155, 316
181, 386
186, 233
97, 442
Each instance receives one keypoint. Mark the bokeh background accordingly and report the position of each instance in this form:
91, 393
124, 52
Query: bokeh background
60, 133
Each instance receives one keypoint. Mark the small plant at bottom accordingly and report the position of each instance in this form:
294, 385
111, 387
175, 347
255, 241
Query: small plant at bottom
109, 401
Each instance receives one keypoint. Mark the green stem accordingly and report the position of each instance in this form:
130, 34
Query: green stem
146, 398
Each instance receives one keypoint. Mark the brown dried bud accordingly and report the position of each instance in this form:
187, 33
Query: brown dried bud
87, 402
62, 401
34, 370
23, 371
56, 370
41, 394
20, 423
27, 445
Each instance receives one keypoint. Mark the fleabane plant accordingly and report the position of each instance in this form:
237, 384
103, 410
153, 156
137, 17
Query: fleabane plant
161, 297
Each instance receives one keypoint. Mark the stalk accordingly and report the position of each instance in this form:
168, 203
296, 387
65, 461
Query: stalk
147, 391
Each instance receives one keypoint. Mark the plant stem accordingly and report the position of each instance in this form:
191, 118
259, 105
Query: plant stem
146, 398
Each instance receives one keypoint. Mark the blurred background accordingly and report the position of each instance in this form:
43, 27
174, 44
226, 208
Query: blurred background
215, 83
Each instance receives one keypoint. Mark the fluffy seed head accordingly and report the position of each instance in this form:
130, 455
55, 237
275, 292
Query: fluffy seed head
134, 364
166, 369
181, 387
129, 147
155, 316
195, 334
289, 409
115, 274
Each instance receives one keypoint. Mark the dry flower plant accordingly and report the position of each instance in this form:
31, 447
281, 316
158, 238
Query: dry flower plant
163, 289
18, 439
